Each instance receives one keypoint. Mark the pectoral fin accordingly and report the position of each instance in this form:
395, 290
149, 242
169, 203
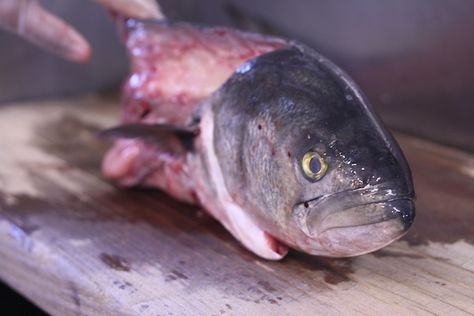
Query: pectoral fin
243, 227
169, 138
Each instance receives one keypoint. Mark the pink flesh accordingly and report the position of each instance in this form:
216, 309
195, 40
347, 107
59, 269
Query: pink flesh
173, 69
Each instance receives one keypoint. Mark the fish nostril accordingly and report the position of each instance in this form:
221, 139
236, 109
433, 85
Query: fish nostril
364, 175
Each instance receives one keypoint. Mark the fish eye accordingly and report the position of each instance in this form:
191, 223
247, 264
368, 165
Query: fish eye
314, 166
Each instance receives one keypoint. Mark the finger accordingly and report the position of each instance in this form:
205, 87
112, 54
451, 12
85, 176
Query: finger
142, 9
52, 33
28, 19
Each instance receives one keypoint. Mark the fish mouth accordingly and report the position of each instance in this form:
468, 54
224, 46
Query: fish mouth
354, 222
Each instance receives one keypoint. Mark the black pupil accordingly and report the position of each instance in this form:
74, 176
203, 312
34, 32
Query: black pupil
314, 165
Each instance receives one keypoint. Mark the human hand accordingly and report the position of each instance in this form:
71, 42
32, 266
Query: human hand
31, 21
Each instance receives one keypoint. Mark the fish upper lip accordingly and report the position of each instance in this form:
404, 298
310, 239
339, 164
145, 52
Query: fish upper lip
347, 199
380, 190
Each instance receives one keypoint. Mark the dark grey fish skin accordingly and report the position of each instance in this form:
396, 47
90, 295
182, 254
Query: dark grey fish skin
277, 107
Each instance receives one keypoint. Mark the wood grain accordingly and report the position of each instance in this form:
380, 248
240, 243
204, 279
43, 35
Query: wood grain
76, 245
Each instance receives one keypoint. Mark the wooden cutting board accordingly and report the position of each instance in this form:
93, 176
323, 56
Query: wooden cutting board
76, 245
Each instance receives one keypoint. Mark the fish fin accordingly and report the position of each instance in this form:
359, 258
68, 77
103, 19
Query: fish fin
244, 228
169, 138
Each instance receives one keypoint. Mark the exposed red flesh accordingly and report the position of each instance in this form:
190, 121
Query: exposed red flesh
173, 68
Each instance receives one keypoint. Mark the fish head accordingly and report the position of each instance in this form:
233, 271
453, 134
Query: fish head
355, 191
306, 153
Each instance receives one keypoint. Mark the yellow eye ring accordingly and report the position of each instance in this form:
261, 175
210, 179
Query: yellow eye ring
314, 166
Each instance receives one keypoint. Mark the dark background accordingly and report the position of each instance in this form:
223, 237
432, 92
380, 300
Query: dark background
413, 58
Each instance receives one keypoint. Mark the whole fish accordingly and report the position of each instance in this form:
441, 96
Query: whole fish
271, 138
